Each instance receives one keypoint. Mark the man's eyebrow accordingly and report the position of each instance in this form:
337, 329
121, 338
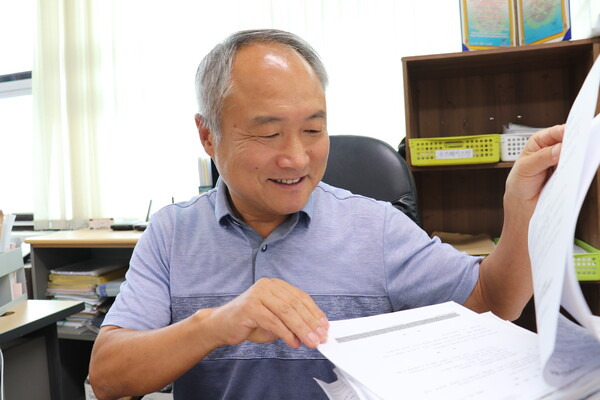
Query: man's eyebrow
266, 119
318, 114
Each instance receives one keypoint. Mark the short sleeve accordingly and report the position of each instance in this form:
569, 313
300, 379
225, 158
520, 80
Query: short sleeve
422, 271
144, 299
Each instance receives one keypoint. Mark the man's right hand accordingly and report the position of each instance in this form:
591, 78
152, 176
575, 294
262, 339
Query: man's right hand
268, 310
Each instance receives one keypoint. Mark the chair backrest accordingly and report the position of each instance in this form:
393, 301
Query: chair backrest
372, 168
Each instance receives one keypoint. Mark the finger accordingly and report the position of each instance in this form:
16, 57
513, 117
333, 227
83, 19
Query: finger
272, 327
317, 317
289, 306
538, 162
287, 292
545, 138
295, 317
309, 303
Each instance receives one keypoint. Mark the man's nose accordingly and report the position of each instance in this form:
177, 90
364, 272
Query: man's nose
294, 153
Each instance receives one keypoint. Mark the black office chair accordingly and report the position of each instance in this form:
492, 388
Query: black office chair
372, 168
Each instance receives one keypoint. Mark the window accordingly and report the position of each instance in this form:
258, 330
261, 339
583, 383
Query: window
16, 46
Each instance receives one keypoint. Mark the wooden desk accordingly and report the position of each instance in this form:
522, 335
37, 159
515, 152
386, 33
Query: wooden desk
29, 343
87, 238
62, 248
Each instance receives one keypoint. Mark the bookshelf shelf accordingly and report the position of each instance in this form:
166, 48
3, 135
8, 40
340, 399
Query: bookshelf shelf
463, 167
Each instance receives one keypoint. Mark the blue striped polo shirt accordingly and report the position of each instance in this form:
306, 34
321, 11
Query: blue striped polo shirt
353, 255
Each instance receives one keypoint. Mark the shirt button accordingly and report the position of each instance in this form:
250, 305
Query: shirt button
264, 248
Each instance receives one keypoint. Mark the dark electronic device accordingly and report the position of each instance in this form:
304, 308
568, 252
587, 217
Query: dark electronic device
121, 227
138, 226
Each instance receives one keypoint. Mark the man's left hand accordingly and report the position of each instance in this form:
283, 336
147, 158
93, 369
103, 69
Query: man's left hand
535, 165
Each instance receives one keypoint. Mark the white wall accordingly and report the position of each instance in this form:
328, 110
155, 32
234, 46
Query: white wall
361, 42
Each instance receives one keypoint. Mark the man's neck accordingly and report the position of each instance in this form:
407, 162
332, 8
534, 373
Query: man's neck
262, 226
264, 229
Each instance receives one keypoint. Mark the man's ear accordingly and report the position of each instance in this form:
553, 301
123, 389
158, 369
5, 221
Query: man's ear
206, 137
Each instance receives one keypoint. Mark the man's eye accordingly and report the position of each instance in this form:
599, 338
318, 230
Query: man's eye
312, 131
270, 136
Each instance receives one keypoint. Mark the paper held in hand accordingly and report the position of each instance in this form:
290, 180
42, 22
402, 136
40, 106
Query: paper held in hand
446, 351
551, 233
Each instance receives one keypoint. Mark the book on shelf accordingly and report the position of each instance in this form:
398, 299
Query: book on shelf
88, 320
110, 289
86, 278
79, 281
92, 267
79, 290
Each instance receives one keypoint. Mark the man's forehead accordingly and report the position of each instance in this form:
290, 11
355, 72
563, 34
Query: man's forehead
269, 55
270, 79
276, 60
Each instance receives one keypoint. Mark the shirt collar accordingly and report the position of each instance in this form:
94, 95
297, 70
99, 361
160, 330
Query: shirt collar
223, 208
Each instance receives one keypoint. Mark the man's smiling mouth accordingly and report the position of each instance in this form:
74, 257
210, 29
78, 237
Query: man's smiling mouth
287, 181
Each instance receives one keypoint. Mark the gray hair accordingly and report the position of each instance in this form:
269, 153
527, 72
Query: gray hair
213, 77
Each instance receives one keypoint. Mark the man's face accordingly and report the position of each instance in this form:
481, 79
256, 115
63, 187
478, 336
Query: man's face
274, 144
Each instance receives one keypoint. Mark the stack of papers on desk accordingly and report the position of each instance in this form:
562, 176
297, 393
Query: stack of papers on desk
89, 281
448, 352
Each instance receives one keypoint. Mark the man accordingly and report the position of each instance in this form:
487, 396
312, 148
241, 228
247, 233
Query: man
272, 253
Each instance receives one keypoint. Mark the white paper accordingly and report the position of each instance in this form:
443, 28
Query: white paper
346, 388
551, 234
577, 352
338, 390
442, 351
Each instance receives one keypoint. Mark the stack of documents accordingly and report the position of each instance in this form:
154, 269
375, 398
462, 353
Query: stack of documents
110, 288
81, 281
448, 352
512, 128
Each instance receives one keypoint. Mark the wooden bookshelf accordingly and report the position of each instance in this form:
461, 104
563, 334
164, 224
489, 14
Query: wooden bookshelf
474, 93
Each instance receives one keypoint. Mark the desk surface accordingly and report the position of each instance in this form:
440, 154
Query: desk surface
31, 315
87, 238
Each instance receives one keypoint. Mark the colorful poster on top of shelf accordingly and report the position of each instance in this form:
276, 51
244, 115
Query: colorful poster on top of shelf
542, 21
487, 24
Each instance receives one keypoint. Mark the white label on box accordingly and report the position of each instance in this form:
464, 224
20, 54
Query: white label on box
457, 153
